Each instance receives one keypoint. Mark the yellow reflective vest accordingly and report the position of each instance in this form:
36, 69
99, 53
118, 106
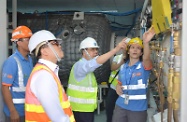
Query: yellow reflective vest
82, 94
34, 112
113, 73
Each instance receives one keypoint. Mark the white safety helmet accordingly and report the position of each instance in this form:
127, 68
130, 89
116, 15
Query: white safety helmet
39, 37
88, 42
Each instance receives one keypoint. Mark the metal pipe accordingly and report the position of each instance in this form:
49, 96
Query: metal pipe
144, 9
177, 49
177, 74
160, 84
176, 95
176, 78
170, 87
160, 92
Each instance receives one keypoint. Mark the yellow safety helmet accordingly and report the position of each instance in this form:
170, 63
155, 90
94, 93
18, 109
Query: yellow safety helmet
136, 41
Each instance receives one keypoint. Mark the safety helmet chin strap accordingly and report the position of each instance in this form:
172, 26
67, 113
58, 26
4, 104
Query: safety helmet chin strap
54, 52
87, 54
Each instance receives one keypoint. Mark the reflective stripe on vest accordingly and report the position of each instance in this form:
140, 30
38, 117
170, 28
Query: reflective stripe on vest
82, 88
40, 109
33, 108
113, 86
112, 75
18, 101
134, 87
82, 101
21, 87
82, 94
135, 97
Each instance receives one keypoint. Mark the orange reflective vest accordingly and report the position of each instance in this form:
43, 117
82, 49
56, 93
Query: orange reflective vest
34, 112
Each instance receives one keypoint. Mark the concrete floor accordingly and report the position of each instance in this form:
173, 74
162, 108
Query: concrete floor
100, 117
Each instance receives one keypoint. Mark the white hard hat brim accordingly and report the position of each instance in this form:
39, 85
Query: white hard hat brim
58, 39
89, 47
39, 45
39, 37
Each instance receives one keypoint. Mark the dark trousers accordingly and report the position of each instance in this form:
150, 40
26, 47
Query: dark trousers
110, 103
83, 116
123, 115
22, 119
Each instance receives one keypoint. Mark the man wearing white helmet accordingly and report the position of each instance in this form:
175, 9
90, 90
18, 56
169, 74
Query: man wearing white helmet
45, 97
82, 85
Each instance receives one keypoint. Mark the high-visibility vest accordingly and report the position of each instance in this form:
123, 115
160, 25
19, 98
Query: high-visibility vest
34, 112
82, 94
113, 73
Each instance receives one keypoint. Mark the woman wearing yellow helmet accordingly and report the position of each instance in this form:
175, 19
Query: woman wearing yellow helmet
131, 105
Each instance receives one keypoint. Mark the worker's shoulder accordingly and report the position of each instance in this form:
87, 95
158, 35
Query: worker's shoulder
43, 73
10, 60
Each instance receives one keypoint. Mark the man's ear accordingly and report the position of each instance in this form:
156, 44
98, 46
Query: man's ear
44, 51
18, 42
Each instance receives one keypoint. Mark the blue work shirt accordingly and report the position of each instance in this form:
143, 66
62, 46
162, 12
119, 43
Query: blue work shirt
135, 79
83, 67
10, 78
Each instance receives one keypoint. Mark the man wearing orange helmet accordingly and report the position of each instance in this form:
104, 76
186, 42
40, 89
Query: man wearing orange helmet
131, 105
15, 73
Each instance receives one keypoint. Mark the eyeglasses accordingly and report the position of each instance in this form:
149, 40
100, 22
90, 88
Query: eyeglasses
24, 39
57, 43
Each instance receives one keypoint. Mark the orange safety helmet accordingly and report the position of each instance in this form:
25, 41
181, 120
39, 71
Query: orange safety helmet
136, 41
21, 32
